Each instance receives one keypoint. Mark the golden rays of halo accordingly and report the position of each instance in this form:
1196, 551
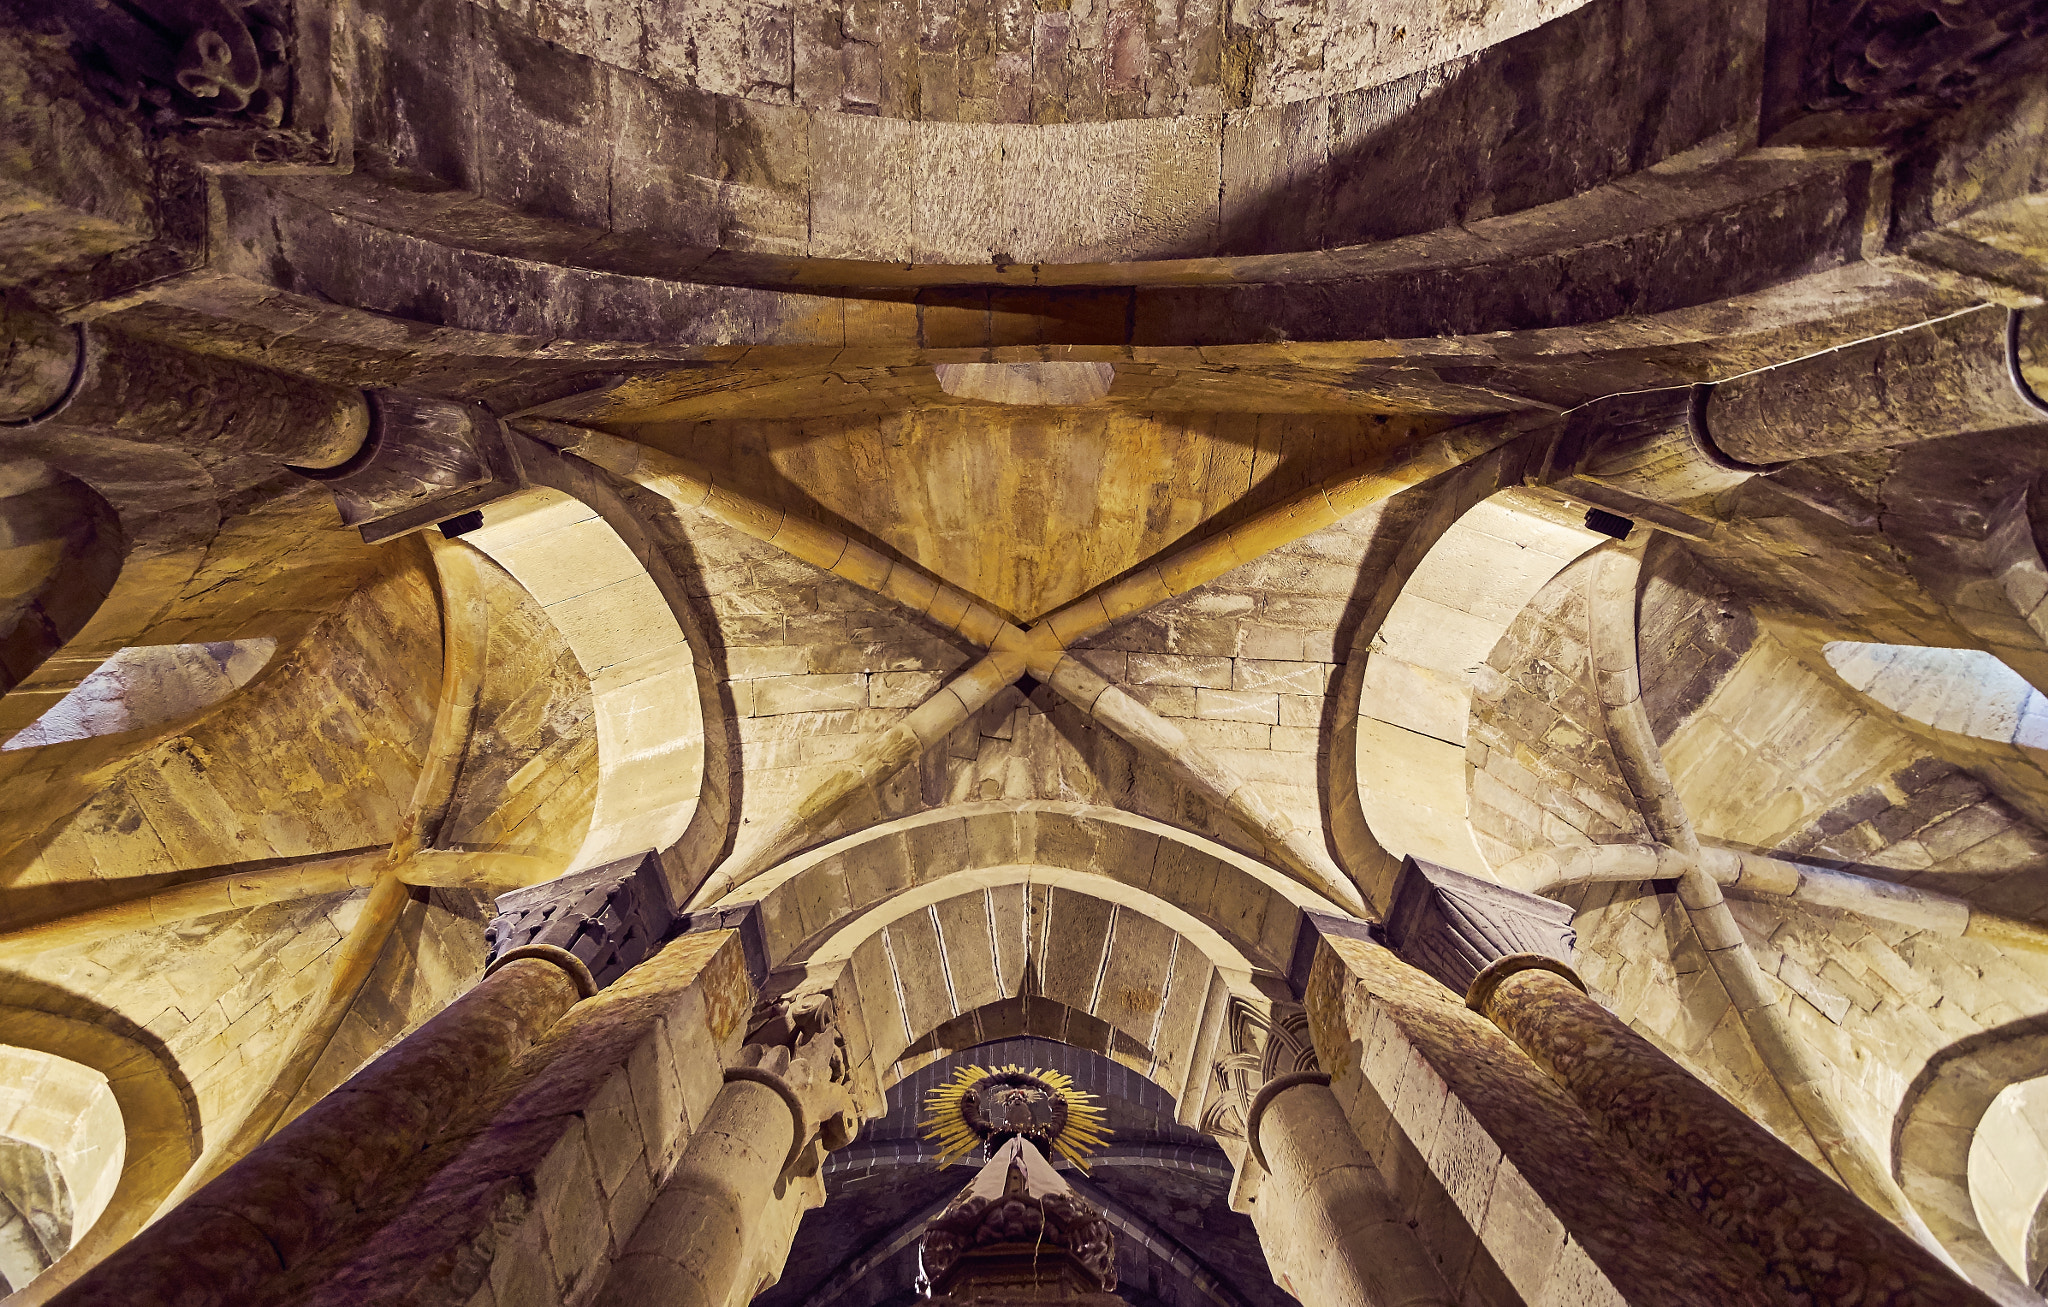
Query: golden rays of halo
1083, 1133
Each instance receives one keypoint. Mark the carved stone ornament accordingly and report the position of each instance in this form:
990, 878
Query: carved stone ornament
426, 460
795, 1048
1017, 1213
1453, 926
1902, 54
215, 63
611, 917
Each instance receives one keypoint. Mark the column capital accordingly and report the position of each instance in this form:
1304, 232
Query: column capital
1455, 927
795, 1048
610, 918
426, 460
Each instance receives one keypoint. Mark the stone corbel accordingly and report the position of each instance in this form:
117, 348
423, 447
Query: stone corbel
1460, 929
795, 1049
427, 460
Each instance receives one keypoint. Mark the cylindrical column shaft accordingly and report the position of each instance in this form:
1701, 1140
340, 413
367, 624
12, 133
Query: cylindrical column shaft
1945, 378
1325, 1215
1817, 1240
213, 408
691, 1247
237, 1238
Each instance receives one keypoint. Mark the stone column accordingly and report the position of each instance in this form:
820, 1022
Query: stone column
1518, 1196
241, 1237
1816, 1238
785, 1099
1507, 953
56, 378
1325, 1217
1974, 371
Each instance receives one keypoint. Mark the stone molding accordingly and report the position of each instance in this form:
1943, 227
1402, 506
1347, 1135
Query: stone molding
1452, 926
1498, 970
586, 984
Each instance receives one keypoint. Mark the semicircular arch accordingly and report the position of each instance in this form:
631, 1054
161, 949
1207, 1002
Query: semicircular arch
1934, 1125
159, 1129
979, 955
640, 663
1257, 909
1395, 732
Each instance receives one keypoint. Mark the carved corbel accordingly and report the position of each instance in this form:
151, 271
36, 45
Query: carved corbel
426, 460
1457, 927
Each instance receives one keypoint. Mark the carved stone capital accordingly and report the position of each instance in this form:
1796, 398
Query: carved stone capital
204, 62
1454, 926
233, 82
426, 460
795, 1048
611, 917
1917, 54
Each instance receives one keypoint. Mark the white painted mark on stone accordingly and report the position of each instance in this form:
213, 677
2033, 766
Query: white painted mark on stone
896, 978
1102, 969
1165, 996
945, 962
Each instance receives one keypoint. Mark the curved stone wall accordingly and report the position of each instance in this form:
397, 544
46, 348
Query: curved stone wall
608, 121
1043, 61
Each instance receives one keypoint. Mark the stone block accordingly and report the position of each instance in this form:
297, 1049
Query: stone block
1236, 706
778, 696
572, 1211
1291, 678
658, 1099
902, 689
612, 1127
1177, 670
1296, 739
1258, 641
1464, 1159
745, 662
1524, 1236
523, 1273
1298, 711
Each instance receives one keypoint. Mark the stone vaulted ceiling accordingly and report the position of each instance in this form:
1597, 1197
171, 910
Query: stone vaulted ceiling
930, 469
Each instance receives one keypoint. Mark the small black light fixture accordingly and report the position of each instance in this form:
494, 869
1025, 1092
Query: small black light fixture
464, 523
1608, 524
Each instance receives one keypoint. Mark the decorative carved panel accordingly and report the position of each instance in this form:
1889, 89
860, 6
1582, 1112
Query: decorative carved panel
209, 63
1902, 54
612, 917
1452, 925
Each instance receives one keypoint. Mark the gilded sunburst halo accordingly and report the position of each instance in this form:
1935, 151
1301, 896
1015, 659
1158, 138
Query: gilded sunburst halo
986, 1106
